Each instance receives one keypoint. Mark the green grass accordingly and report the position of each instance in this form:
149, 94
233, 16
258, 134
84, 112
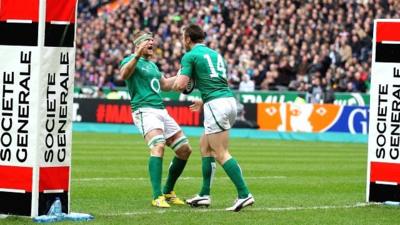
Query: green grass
293, 183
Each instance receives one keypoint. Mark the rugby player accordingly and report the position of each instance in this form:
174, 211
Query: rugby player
208, 70
158, 128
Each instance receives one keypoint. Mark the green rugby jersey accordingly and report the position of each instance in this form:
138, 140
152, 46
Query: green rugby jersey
144, 84
208, 69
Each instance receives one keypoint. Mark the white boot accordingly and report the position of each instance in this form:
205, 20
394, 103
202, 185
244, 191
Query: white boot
199, 201
241, 203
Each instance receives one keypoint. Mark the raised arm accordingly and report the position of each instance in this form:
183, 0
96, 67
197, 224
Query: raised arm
127, 70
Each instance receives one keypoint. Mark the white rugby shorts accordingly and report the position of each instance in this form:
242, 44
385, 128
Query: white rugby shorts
219, 114
148, 119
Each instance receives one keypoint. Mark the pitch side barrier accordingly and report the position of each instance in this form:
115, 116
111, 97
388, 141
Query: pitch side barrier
289, 121
37, 63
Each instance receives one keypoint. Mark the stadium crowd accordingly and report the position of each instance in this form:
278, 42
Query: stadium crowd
312, 46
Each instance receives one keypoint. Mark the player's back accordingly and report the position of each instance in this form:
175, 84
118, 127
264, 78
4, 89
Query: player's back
209, 71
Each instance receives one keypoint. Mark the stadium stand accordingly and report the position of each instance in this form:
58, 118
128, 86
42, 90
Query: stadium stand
313, 45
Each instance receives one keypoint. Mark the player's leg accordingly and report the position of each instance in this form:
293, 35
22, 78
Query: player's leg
156, 143
223, 114
151, 128
179, 143
208, 166
208, 171
219, 143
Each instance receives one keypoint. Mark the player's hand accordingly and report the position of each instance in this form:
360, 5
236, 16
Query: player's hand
196, 106
140, 49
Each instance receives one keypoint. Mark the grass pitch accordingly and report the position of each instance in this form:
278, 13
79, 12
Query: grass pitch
292, 182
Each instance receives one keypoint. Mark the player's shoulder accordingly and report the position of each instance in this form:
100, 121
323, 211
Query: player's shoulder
211, 50
188, 55
126, 59
198, 51
207, 50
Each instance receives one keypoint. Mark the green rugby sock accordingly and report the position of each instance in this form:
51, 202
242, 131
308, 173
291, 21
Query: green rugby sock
208, 170
234, 172
175, 170
155, 171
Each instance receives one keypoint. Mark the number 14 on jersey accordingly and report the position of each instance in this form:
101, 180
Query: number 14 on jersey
220, 66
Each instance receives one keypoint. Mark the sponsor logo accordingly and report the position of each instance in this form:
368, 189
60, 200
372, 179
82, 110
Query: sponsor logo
299, 117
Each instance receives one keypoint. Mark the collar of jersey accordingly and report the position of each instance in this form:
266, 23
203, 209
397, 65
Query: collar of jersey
197, 45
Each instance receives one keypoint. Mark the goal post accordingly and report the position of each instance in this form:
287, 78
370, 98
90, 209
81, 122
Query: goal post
37, 66
383, 175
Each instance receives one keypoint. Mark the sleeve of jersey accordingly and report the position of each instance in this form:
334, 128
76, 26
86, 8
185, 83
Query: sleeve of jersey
186, 65
124, 61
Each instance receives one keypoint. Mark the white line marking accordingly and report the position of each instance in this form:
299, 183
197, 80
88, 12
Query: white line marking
386, 182
19, 21
54, 191
12, 190
181, 178
60, 22
391, 42
270, 209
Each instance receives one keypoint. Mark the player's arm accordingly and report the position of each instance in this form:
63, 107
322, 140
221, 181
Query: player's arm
127, 69
180, 83
184, 74
167, 83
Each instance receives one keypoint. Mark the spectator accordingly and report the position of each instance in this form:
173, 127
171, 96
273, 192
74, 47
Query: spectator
275, 42
345, 49
246, 84
315, 91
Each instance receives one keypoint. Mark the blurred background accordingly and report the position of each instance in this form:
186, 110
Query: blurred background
315, 46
